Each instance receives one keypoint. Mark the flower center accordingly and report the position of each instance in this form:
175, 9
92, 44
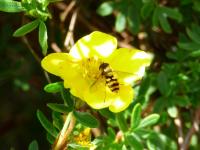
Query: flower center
91, 68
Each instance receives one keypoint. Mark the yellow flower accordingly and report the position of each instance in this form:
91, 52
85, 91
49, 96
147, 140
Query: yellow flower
99, 73
84, 138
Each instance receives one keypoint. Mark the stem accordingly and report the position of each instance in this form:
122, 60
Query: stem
61, 142
192, 130
30, 49
178, 123
69, 36
63, 15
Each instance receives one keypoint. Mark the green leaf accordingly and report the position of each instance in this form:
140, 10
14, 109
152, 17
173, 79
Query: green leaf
194, 35
120, 22
133, 20
59, 107
111, 133
11, 6
136, 116
50, 138
149, 120
153, 142
143, 133
195, 53
172, 13
134, 141
163, 83
54, 87
52, 1
160, 104
43, 37
86, 119
76, 146
155, 18
181, 101
33, 145
172, 111
189, 46
26, 28
121, 122
160, 142
147, 9
106, 113
105, 8
164, 23
58, 120
67, 97
46, 124
196, 6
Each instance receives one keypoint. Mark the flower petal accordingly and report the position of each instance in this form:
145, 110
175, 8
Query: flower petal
63, 65
57, 63
76, 84
98, 96
95, 44
130, 62
125, 97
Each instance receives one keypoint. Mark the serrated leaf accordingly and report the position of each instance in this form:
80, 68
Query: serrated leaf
26, 28
105, 8
54, 87
134, 141
194, 35
86, 119
121, 122
59, 107
67, 97
164, 23
136, 116
120, 22
33, 145
46, 124
147, 9
43, 37
11, 6
149, 120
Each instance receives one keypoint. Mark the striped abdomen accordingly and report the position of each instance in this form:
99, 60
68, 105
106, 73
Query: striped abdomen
111, 80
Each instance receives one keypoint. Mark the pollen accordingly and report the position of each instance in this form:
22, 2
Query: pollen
90, 67
83, 138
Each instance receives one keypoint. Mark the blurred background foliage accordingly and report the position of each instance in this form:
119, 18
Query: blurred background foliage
171, 88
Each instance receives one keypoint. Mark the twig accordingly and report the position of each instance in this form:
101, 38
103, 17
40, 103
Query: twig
61, 142
69, 35
25, 40
178, 123
63, 15
192, 130
55, 47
